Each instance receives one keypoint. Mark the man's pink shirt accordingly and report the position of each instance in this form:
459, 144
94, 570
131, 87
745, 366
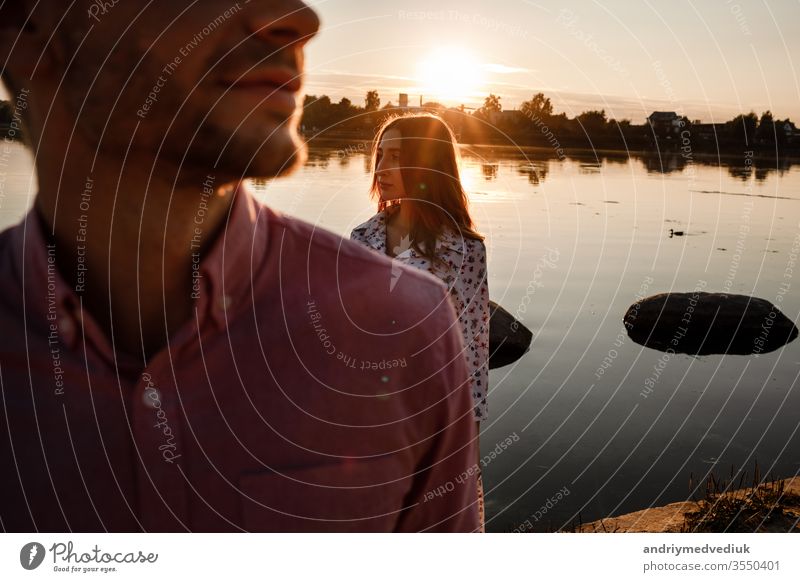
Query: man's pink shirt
313, 390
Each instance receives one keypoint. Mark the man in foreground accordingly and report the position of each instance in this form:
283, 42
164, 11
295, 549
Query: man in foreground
176, 356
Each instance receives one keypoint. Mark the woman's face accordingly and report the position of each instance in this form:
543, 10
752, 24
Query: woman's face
387, 168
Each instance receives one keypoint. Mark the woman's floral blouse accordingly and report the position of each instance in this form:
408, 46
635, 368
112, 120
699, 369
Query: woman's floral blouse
464, 272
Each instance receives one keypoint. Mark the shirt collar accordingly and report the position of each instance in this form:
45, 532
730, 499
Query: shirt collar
374, 230
44, 289
450, 240
236, 256
226, 270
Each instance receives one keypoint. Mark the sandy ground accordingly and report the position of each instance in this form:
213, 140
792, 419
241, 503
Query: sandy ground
669, 518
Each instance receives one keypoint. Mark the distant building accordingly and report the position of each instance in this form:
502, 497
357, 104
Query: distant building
788, 128
791, 135
403, 101
666, 124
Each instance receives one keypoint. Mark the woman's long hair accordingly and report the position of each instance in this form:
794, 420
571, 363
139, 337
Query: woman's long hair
429, 167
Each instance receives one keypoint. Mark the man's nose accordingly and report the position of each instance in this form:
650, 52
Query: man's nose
283, 22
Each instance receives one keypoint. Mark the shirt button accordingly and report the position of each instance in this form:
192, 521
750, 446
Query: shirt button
225, 301
152, 398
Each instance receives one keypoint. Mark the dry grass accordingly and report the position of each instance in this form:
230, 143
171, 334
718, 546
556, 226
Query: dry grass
762, 506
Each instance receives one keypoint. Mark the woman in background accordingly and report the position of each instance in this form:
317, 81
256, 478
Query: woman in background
423, 221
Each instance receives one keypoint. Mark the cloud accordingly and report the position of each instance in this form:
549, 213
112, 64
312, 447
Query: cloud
504, 69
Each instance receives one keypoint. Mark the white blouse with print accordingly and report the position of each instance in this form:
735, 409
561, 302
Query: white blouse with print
463, 270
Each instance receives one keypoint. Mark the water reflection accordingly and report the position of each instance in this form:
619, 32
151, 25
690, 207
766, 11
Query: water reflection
590, 167
535, 171
534, 162
489, 171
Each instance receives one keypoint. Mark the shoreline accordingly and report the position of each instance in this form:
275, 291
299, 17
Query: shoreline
670, 518
575, 151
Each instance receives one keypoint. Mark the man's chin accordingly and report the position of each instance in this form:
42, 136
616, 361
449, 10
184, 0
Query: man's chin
272, 159
276, 153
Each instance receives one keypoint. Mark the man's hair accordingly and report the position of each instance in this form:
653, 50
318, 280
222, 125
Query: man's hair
13, 16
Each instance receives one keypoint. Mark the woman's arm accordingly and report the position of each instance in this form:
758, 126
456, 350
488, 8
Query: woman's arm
471, 295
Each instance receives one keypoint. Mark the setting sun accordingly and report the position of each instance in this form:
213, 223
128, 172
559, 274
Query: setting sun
450, 74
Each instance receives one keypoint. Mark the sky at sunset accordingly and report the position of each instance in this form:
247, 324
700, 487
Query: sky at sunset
708, 60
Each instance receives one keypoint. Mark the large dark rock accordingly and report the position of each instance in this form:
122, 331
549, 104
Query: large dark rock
708, 323
509, 340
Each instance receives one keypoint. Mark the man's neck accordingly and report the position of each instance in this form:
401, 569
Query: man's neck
126, 236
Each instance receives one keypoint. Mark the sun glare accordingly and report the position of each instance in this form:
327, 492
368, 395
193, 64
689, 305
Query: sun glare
450, 74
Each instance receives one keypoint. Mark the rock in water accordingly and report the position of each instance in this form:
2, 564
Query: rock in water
509, 340
708, 323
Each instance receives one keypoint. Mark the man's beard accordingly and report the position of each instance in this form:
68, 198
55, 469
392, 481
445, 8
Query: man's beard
234, 158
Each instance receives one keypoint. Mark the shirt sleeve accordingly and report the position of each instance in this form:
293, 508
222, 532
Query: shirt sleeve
473, 316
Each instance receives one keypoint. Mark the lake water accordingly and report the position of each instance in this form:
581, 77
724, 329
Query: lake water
572, 243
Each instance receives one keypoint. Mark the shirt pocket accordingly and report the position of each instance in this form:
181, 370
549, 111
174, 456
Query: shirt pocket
352, 495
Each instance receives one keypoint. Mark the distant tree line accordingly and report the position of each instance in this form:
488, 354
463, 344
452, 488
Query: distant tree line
535, 123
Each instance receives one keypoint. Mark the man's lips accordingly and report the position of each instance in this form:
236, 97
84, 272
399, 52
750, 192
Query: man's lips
273, 79
275, 88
